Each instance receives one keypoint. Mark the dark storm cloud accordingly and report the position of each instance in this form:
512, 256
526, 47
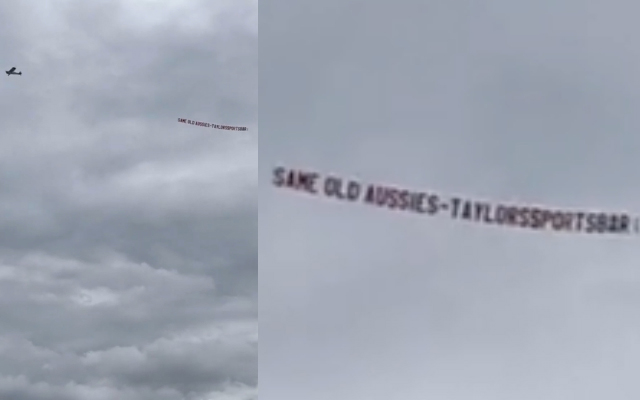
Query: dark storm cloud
128, 253
525, 102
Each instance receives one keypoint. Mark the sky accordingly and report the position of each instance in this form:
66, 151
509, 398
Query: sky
530, 102
128, 265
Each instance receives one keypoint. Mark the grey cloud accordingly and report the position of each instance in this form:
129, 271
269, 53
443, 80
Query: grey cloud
128, 261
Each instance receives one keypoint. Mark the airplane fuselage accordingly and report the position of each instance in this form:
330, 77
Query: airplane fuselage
12, 73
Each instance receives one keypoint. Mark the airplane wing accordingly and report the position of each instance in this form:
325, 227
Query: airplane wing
12, 69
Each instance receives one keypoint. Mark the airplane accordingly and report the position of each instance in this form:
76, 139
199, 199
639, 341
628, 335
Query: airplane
12, 72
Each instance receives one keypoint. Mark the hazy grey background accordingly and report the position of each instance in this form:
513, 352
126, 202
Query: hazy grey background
128, 265
530, 101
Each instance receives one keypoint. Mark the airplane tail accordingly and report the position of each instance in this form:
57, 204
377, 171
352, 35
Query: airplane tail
20, 73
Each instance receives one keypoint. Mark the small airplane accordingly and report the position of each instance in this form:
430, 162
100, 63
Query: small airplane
12, 71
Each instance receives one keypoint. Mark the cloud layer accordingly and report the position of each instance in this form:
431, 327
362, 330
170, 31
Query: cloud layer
128, 264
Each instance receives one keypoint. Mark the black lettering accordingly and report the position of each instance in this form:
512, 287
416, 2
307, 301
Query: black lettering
579, 221
557, 221
397, 198
378, 195
568, 221
612, 224
302, 181
513, 214
332, 187
391, 198
479, 211
592, 223
603, 223
381, 194
279, 178
501, 216
353, 191
387, 197
417, 203
433, 204
370, 197
455, 205
404, 200
506, 215
487, 214
547, 217
525, 217
467, 210
291, 179
624, 225
537, 218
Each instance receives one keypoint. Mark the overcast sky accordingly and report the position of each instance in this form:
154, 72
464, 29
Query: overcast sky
128, 261
530, 101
